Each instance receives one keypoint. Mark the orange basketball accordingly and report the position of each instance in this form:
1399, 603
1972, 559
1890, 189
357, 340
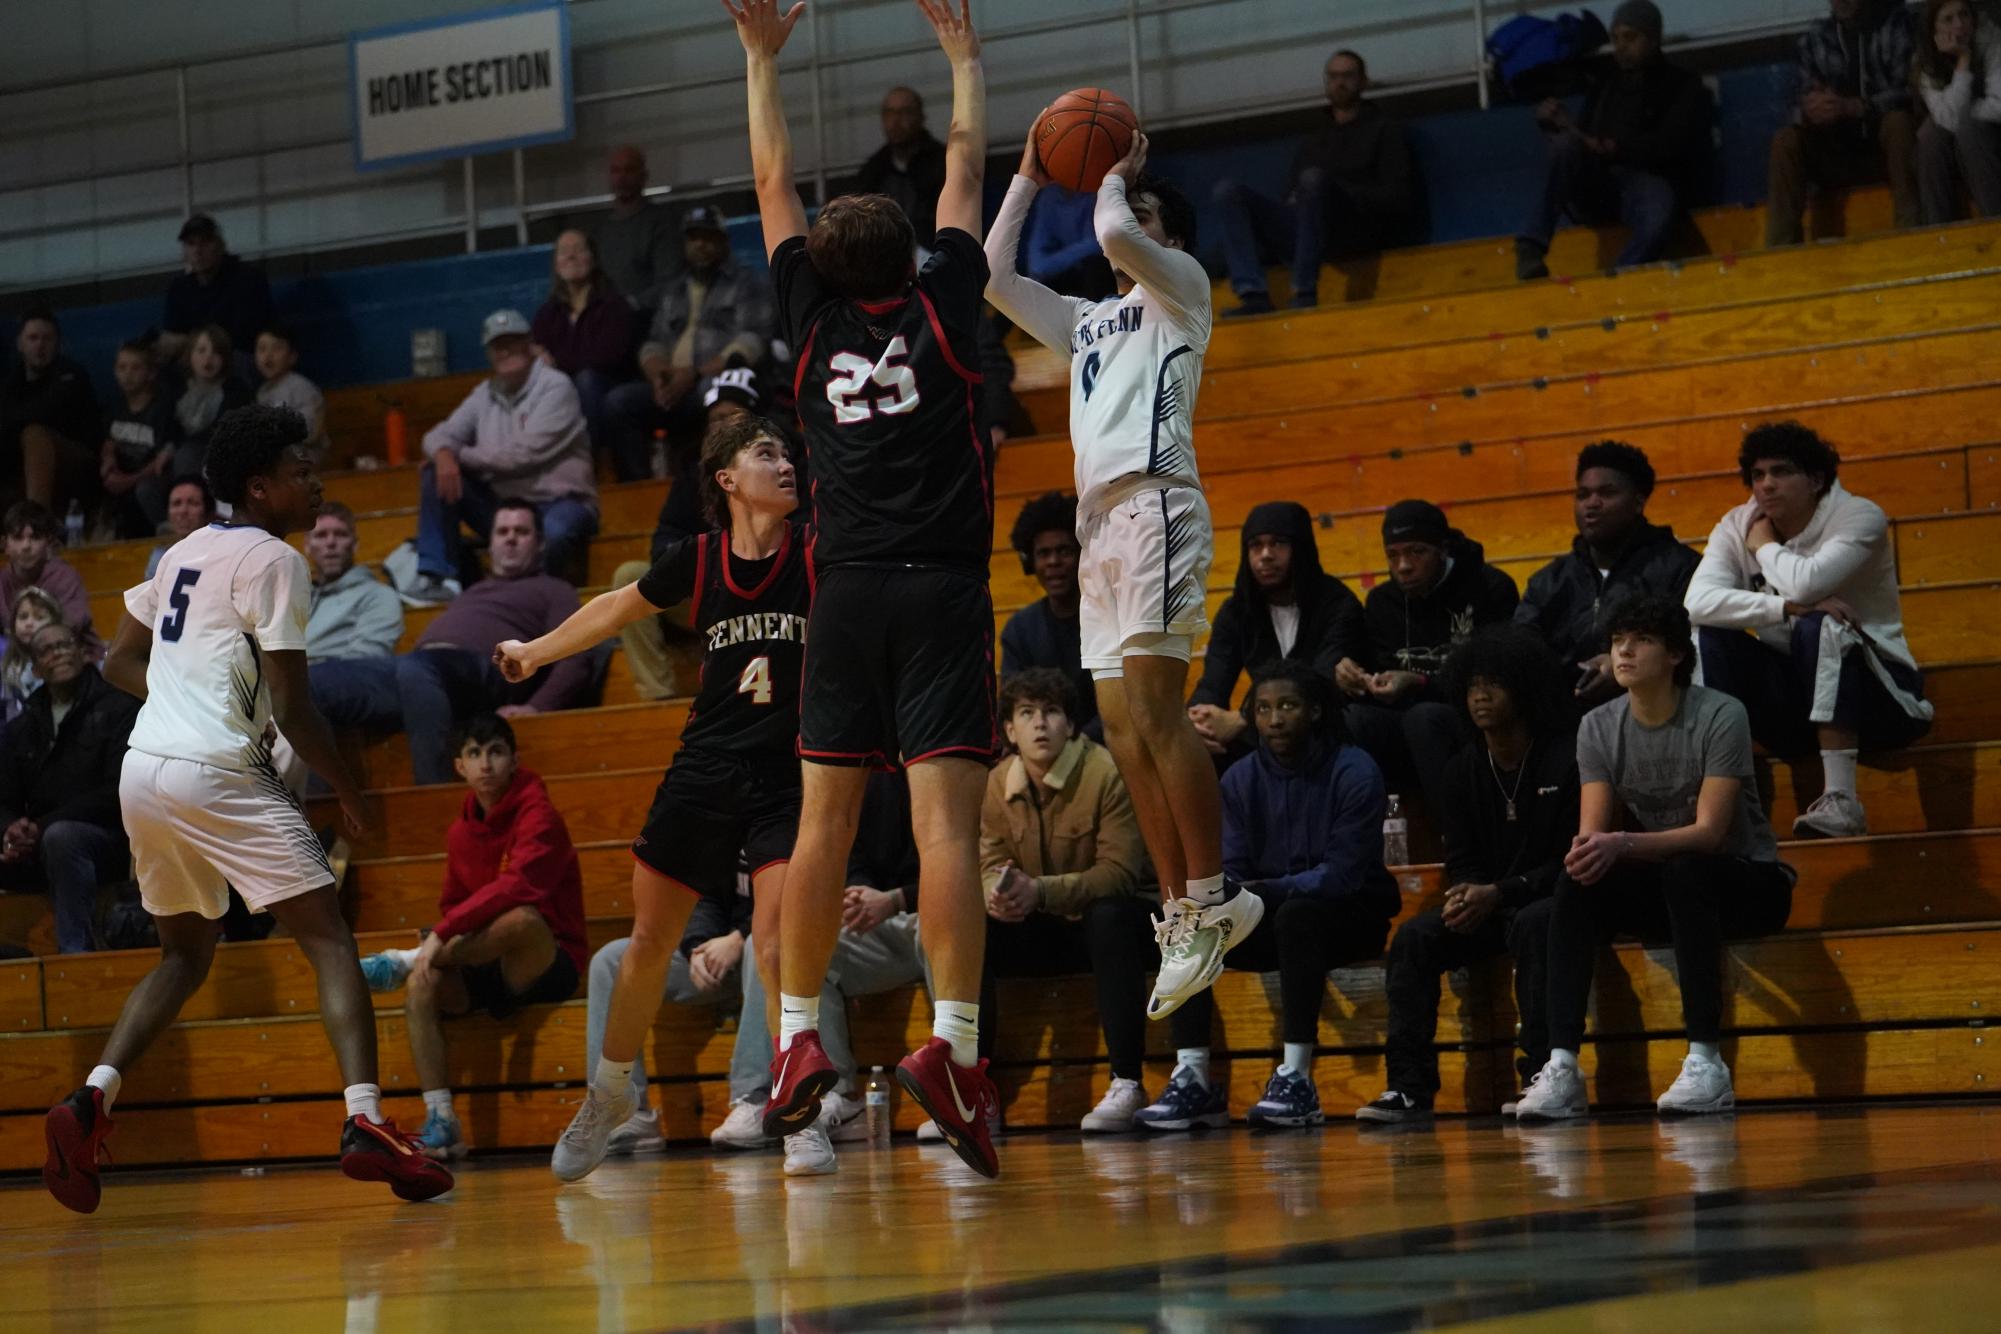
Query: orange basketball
1084, 133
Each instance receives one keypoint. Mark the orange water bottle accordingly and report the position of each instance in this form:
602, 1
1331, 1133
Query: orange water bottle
395, 436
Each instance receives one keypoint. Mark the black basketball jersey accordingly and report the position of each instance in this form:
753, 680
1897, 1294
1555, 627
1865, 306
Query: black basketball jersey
751, 615
890, 401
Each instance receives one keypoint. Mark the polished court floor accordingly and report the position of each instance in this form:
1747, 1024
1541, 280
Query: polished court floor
1885, 1218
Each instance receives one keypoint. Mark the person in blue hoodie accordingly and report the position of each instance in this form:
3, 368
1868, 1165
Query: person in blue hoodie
1303, 829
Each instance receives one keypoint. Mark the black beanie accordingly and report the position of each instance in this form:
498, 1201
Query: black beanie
1416, 521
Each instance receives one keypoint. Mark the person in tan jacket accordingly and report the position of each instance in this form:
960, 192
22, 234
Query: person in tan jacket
1068, 888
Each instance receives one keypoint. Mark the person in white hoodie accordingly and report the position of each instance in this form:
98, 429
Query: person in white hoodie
1806, 567
1958, 74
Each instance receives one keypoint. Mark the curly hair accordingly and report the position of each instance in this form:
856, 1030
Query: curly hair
1038, 685
248, 442
1177, 215
1662, 618
1518, 661
1798, 445
1622, 458
1318, 689
1050, 512
725, 440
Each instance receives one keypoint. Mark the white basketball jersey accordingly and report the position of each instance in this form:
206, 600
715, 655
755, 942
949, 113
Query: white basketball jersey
220, 597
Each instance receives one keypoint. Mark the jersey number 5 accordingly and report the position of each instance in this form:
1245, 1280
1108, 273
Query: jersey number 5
849, 393
756, 681
177, 606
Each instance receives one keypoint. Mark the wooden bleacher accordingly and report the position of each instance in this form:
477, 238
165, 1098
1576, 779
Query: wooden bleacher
1453, 384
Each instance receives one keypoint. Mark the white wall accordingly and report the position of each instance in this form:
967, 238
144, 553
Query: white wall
291, 184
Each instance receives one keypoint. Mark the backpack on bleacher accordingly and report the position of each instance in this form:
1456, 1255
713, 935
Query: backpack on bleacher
1534, 58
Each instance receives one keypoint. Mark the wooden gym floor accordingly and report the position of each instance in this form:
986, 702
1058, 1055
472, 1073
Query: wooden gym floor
1834, 1218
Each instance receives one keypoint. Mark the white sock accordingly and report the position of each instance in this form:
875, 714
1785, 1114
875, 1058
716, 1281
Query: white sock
406, 958
1207, 891
1195, 1059
1563, 1060
440, 1102
110, 1081
364, 1100
958, 1022
796, 1015
1299, 1058
612, 1077
1708, 1051
1837, 769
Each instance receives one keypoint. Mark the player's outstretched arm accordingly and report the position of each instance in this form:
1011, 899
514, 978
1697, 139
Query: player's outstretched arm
763, 31
1047, 315
589, 625
299, 720
131, 651
959, 203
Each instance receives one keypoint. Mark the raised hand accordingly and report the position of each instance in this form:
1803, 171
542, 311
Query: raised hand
1031, 157
1133, 163
955, 31
760, 27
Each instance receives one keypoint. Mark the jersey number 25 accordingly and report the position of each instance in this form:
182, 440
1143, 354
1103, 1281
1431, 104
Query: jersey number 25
848, 390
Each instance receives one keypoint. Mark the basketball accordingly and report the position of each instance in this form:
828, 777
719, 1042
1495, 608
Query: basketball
1084, 132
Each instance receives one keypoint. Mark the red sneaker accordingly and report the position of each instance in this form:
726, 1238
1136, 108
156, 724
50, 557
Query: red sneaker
380, 1152
962, 1102
800, 1076
76, 1129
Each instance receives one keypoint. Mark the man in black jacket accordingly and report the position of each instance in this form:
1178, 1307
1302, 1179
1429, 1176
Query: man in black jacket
51, 433
1617, 556
1284, 606
1440, 591
1509, 819
60, 828
910, 165
1352, 191
1045, 632
1636, 154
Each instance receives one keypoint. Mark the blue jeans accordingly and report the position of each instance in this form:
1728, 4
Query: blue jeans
438, 688
72, 860
357, 692
567, 526
1583, 185
1256, 226
594, 388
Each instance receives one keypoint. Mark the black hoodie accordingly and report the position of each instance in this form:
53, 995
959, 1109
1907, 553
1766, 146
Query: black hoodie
1417, 634
1568, 602
1330, 617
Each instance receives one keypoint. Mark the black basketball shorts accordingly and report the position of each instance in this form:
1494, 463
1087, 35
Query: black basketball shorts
712, 808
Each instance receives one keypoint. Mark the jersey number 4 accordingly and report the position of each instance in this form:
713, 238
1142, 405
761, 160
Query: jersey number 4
756, 681
177, 606
849, 390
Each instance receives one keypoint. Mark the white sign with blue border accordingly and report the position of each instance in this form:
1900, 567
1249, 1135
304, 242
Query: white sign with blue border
473, 83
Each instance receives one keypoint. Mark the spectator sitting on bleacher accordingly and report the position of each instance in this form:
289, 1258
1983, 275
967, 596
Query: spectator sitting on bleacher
1958, 72
519, 436
215, 287
1617, 555
1060, 246
34, 542
141, 439
212, 387
1510, 819
1284, 605
1046, 633
190, 504
32, 609
1303, 828
1810, 571
910, 165
1854, 122
1066, 880
511, 927
281, 386
638, 244
355, 624
877, 951
1636, 154
50, 430
60, 830
1352, 190
585, 327
715, 315
1671, 845
1440, 591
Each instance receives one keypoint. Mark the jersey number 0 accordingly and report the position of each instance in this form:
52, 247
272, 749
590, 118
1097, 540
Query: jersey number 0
849, 392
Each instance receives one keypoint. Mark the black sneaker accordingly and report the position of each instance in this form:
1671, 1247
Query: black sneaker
1250, 303
1395, 1109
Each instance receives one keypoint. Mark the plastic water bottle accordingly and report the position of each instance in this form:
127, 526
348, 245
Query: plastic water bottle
657, 465
1396, 834
876, 1109
73, 525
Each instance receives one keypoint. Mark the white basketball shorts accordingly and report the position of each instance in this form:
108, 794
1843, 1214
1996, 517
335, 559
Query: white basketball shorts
1142, 575
196, 830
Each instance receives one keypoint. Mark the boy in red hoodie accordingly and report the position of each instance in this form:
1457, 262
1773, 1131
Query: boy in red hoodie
511, 926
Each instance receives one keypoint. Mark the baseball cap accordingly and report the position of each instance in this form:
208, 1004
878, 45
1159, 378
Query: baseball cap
737, 385
199, 226
704, 218
500, 324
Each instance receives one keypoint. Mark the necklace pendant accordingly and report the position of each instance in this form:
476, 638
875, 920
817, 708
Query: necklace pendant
1511, 810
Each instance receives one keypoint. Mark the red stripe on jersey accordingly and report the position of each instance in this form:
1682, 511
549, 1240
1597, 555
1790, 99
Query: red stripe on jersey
883, 307
944, 343
729, 580
799, 374
701, 579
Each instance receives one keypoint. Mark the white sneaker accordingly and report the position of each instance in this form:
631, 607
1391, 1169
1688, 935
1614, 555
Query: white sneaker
1115, 1111
1702, 1087
582, 1146
842, 1116
1193, 940
1832, 815
1512, 1105
1555, 1094
639, 1134
743, 1128
809, 1153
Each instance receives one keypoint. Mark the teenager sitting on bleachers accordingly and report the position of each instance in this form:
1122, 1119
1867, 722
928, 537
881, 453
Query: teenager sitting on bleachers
1440, 591
1808, 570
519, 436
190, 505
210, 388
585, 328
1303, 828
1959, 78
1046, 632
281, 386
1509, 820
60, 830
510, 930
1616, 556
1672, 845
1284, 605
142, 436
34, 560
1066, 879
1352, 190
1637, 152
